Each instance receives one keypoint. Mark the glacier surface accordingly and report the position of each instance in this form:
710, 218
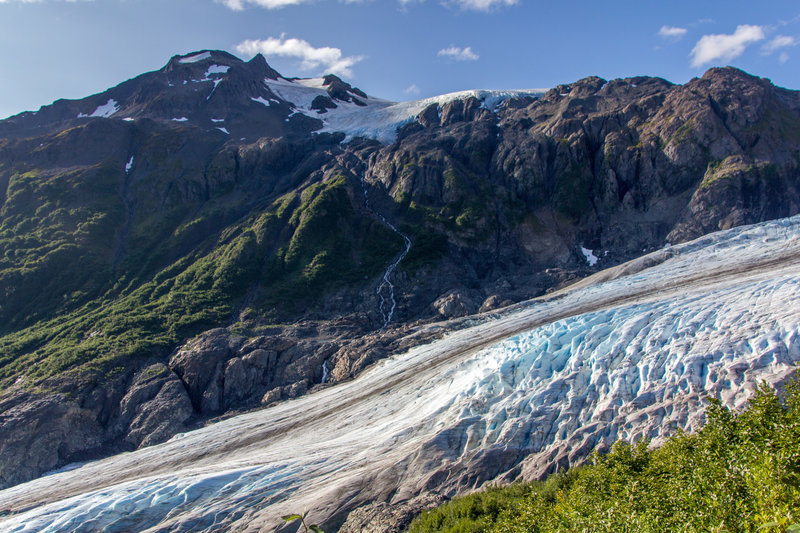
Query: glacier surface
633, 351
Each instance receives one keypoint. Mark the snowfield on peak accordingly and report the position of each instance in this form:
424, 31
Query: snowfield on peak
194, 58
379, 119
630, 352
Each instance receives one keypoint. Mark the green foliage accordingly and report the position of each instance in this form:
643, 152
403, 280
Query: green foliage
56, 232
329, 244
296, 248
683, 132
740, 473
730, 167
302, 517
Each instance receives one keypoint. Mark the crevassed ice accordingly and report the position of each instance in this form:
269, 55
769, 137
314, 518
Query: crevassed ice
633, 357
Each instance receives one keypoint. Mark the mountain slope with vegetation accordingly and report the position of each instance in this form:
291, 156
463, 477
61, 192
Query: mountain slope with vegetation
156, 236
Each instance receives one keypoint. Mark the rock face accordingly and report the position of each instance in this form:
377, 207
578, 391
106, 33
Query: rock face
212, 236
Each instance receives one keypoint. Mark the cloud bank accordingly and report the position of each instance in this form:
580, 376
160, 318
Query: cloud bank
327, 59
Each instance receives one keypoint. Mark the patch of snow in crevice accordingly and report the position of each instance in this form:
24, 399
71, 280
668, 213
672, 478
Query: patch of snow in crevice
129, 165
217, 120
182, 119
589, 255
223, 130
261, 100
195, 58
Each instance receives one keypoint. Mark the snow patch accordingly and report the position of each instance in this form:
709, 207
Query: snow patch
312, 83
181, 119
589, 255
195, 58
216, 69
261, 100
105, 110
217, 120
223, 130
128, 165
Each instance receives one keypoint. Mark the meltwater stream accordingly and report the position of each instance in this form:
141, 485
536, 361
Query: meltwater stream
631, 356
385, 290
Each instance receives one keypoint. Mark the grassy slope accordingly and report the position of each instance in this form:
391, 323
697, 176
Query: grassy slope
287, 250
740, 473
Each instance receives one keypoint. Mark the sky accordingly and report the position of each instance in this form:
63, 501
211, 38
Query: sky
393, 49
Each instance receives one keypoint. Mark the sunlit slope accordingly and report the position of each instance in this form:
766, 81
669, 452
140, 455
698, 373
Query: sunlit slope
514, 394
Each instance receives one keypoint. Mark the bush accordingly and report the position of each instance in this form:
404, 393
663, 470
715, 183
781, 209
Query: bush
740, 473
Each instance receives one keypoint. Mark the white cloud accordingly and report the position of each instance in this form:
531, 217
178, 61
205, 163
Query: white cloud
330, 60
672, 32
39, 1
412, 89
783, 58
459, 54
778, 42
468, 5
238, 5
478, 5
724, 47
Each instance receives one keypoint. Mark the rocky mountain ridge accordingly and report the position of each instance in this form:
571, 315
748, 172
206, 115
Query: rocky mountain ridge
159, 268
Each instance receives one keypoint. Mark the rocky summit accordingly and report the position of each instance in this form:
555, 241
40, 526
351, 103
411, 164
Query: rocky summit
214, 237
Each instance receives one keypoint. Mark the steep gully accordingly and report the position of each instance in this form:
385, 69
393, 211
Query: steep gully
385, 290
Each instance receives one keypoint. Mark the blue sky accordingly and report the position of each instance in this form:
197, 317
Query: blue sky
395, 49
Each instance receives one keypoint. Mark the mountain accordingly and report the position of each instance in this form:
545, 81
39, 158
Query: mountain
213, 237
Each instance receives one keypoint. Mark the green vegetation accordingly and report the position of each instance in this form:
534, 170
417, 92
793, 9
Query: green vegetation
291, 252
683, 132
740, 473
330, 245
302, 517
56, 232
733, 166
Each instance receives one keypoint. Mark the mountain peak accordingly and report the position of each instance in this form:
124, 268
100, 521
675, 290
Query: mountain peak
201, 57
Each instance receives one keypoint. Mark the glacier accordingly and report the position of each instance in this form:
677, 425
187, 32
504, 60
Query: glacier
633, 351
377, 119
